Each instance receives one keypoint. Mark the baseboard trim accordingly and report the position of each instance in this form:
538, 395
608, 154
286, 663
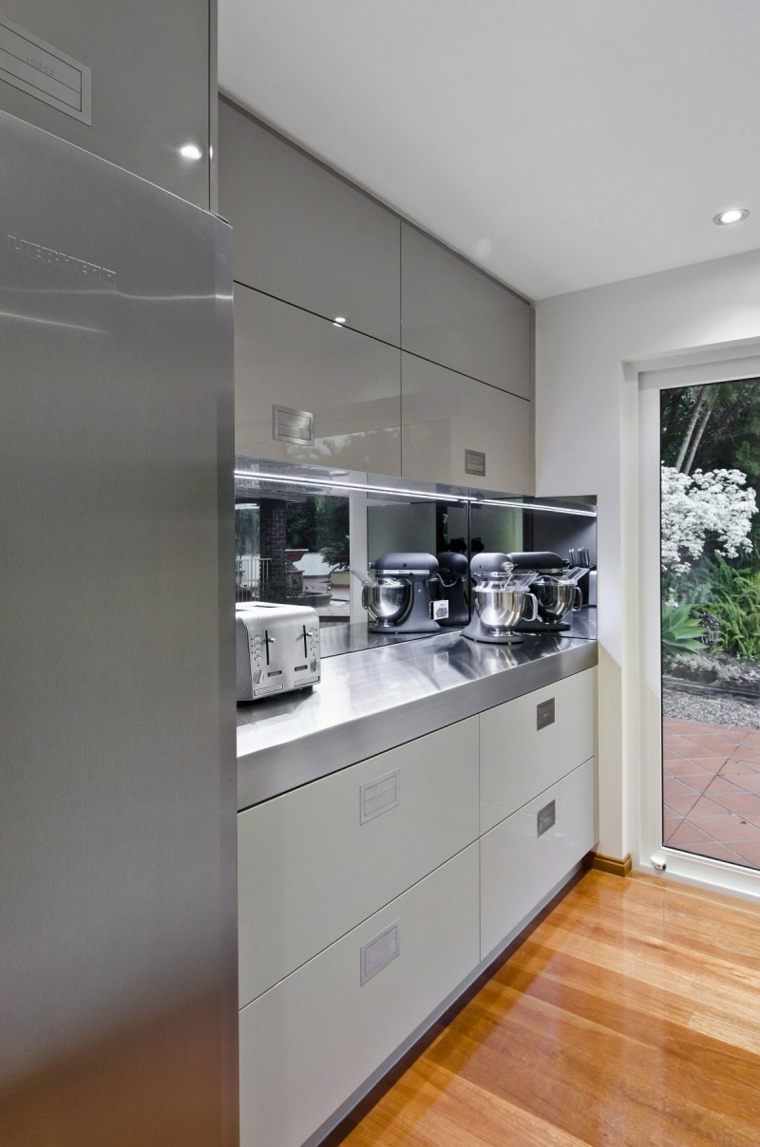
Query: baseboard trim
615, 865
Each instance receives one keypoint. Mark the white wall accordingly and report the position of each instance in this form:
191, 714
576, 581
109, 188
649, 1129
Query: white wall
586, 442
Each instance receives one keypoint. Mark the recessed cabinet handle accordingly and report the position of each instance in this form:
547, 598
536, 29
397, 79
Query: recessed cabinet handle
379, 952
545, 714
379, 795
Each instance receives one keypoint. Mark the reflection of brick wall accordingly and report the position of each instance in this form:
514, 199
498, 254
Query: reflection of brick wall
273, 541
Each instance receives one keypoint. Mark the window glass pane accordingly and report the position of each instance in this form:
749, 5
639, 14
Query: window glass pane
710, 606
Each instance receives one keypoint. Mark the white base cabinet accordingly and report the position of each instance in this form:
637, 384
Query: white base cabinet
370, 896
314, 862
525, 856
529, 743
308, 1043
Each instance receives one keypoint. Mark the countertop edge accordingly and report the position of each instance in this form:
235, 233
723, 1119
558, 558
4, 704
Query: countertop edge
273, 771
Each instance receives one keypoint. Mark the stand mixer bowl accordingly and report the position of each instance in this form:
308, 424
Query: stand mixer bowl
501, 605
556, 596
387, 600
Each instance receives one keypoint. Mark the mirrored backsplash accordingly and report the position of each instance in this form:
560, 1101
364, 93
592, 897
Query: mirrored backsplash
306, 535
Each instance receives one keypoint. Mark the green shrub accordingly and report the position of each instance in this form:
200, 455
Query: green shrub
735, 604
681, 631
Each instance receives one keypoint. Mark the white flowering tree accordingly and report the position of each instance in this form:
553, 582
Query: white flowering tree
713, 504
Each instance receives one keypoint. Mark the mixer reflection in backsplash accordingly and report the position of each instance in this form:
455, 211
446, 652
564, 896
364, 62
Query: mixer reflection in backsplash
403, 594
512, 594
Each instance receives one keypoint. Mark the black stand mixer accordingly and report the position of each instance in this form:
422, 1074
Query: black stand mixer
499, 602
404, 595
550, 579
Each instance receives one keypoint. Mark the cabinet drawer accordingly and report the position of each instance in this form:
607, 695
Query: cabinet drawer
445, 415
315, 862
529, 743
304, 234
455, 315
349, 383
523, 858
306, 1045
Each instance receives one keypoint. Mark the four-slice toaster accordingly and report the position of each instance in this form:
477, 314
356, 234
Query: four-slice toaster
277, 648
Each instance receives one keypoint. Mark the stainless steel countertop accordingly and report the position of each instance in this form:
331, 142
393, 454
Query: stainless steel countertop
372, 700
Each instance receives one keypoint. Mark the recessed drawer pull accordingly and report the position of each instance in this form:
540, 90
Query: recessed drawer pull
379, 952
379, 795
545, 714
546, 818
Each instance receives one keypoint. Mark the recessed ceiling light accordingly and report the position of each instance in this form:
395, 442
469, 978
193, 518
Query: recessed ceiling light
731, 215
190, 151
339, 320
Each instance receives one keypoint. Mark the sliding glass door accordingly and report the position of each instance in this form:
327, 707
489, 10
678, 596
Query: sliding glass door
710, 620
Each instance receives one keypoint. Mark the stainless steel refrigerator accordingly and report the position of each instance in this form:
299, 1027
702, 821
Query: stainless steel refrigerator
117, 756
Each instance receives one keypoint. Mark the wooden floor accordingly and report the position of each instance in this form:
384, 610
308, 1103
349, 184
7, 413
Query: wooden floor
629, 1018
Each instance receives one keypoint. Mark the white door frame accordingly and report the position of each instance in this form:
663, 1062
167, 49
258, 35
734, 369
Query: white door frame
715, 364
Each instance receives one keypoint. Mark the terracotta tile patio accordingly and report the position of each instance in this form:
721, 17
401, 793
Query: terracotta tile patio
711, 790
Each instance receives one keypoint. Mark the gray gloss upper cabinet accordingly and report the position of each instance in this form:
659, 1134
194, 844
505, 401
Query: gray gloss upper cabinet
305, 235
150, 83
443, 414
288, 357
454, 315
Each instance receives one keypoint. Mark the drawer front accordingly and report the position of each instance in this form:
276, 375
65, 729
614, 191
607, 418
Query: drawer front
306, 1045
577, 740
529, 743
315, 862
523, 858
518, 753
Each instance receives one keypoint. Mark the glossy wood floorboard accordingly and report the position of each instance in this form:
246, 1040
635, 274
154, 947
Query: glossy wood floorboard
629, 1018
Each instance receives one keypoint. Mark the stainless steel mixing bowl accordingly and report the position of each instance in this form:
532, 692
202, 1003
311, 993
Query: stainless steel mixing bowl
500, 606
556, 596
388, 600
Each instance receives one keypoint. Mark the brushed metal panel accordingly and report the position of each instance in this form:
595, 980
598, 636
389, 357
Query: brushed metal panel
150, 93
117, 822
303, 233
455, 315
285, 356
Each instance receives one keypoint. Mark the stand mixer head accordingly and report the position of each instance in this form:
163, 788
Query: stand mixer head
499, 602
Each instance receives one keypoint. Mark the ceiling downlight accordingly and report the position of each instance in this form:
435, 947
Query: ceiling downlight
730, 216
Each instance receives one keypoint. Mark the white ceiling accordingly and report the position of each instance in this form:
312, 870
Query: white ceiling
558, 143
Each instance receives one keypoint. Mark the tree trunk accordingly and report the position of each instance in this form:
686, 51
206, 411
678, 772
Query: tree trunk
697, 439
690, 428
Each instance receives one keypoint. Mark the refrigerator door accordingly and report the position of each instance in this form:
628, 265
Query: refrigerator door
117, 757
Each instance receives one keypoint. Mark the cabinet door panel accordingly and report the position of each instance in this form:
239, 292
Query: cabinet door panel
304, 234
445, 414
455, 315
310, 1042
350, 383
520, 864
336, 850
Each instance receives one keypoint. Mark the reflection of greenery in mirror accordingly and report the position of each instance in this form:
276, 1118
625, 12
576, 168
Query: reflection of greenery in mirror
496, 529
294, 548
